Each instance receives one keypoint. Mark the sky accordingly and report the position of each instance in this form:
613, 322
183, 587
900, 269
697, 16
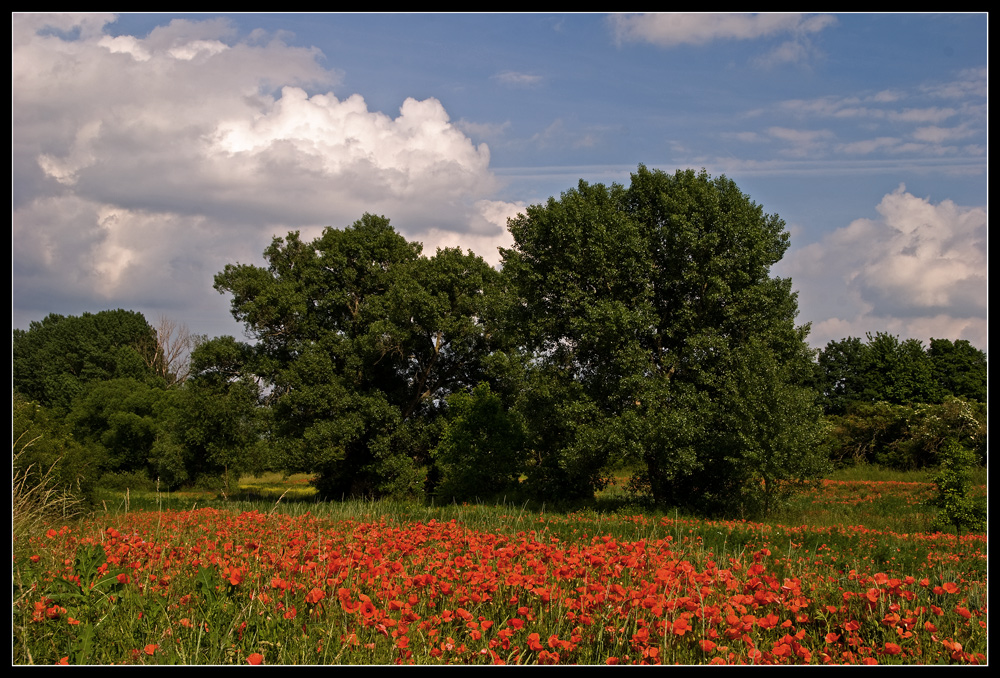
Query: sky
151, 150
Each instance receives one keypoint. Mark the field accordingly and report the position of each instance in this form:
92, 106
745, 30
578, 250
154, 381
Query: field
253, 579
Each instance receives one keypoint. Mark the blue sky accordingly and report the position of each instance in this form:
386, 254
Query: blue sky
151, 150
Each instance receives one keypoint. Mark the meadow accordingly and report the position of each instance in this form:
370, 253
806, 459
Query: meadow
846, 573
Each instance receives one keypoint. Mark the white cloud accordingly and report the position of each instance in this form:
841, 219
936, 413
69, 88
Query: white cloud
936, 135
918, 268
671, 30
866, 146
143, 165
515, 79
801, 143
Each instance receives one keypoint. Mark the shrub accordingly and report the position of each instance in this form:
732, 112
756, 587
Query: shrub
481, 454
957, 506
46, 457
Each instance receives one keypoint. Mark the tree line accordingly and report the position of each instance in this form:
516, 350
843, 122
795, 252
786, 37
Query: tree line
629, 328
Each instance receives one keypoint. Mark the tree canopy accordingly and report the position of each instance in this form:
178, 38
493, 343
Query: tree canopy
885, 369
56, 359
360, 339
658, 300
630, 327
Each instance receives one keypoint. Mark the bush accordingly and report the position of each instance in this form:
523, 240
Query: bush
906, 437
46, 457
481, 454
958, 506
127, 480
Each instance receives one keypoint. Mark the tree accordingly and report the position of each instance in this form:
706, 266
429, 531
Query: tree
481, 452
220, 418
360, 340
648, 297
45, 451
56, 359
959, 369
954, 496
843, 373
167, 352
123, 417
899, 372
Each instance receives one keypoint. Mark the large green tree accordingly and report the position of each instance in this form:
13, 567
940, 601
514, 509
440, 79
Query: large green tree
359, 340
55, 360
657, 300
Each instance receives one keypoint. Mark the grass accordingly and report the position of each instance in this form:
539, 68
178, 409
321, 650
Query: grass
875, 497
381, 582
36, 500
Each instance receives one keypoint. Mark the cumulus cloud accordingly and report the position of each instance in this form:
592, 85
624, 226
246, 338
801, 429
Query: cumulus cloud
918, 270
142, 165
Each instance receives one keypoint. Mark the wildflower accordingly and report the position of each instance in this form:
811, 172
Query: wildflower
255, 659
548, 658
315, 596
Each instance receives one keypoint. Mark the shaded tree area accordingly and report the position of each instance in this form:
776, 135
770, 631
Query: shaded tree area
107, 396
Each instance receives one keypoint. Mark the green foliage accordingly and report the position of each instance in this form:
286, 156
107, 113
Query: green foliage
959, 369
481, 454
885, 369
765, 435
957, 506
45, 450
568, 438
120, 416
359, 340
56, 360
906, 437
646, 298
218, 417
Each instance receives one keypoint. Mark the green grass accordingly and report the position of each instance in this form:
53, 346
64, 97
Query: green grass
854, 497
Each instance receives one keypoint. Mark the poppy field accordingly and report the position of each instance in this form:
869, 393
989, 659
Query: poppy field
491, 586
